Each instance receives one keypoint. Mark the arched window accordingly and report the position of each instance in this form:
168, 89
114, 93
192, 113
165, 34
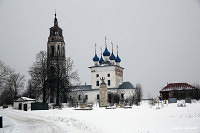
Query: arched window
58, 50
63, 51
52, 50
54, 32
60, 33
122, 96
86, 97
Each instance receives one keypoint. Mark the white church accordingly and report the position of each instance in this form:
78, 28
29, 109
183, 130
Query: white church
107, 67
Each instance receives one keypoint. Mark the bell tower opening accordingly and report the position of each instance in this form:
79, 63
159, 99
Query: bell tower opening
52, 51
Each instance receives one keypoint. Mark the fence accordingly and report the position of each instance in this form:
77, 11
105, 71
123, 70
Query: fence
39, 106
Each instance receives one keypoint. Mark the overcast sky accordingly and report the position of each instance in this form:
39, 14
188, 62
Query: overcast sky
159, 40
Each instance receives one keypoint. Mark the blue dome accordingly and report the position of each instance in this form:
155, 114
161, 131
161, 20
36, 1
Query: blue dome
101, 60
112, 57
106, 52
117, 59
96, 58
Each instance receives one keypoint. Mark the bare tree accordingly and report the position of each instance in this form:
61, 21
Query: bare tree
73, 100
11, 84
65, 76
5, 72
196, 92
17, 82
113, 97
138, 94
32, 90
72, 75
38, 74
62, 76
131, 99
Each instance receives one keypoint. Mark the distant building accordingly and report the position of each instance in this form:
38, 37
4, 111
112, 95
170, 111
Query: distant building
179, 91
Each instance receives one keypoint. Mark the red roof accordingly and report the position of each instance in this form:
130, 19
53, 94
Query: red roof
177, 86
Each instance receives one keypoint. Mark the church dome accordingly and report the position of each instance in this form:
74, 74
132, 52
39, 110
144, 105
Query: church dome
117, 59
101, 60
95, 58
112, 57
106, 52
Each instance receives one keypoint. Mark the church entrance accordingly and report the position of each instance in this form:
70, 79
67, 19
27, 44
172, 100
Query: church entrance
20, 106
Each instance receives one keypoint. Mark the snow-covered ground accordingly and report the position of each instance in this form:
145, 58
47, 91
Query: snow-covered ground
139, 119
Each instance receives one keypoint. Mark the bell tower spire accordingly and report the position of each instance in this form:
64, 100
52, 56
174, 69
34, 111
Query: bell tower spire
55, 20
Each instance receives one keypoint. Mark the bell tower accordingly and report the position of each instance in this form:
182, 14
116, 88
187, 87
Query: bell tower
56, 44
56, 60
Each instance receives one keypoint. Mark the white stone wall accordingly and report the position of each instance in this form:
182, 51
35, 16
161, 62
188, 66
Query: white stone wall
16, 104
92, 95
115, 78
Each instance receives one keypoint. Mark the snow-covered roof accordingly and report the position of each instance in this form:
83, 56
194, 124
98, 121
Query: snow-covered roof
24, 99
27, 99
177, 86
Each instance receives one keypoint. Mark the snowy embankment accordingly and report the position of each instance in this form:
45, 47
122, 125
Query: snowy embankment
141, 119
15, 121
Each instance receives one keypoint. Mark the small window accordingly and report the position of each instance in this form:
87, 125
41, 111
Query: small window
108, 75
86, 97
97, 96
97, 83
108, 82
122, 96
97, 75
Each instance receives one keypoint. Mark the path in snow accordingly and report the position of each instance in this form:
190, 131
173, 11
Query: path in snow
16, 122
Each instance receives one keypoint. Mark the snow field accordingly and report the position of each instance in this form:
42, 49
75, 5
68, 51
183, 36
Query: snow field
139, 119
